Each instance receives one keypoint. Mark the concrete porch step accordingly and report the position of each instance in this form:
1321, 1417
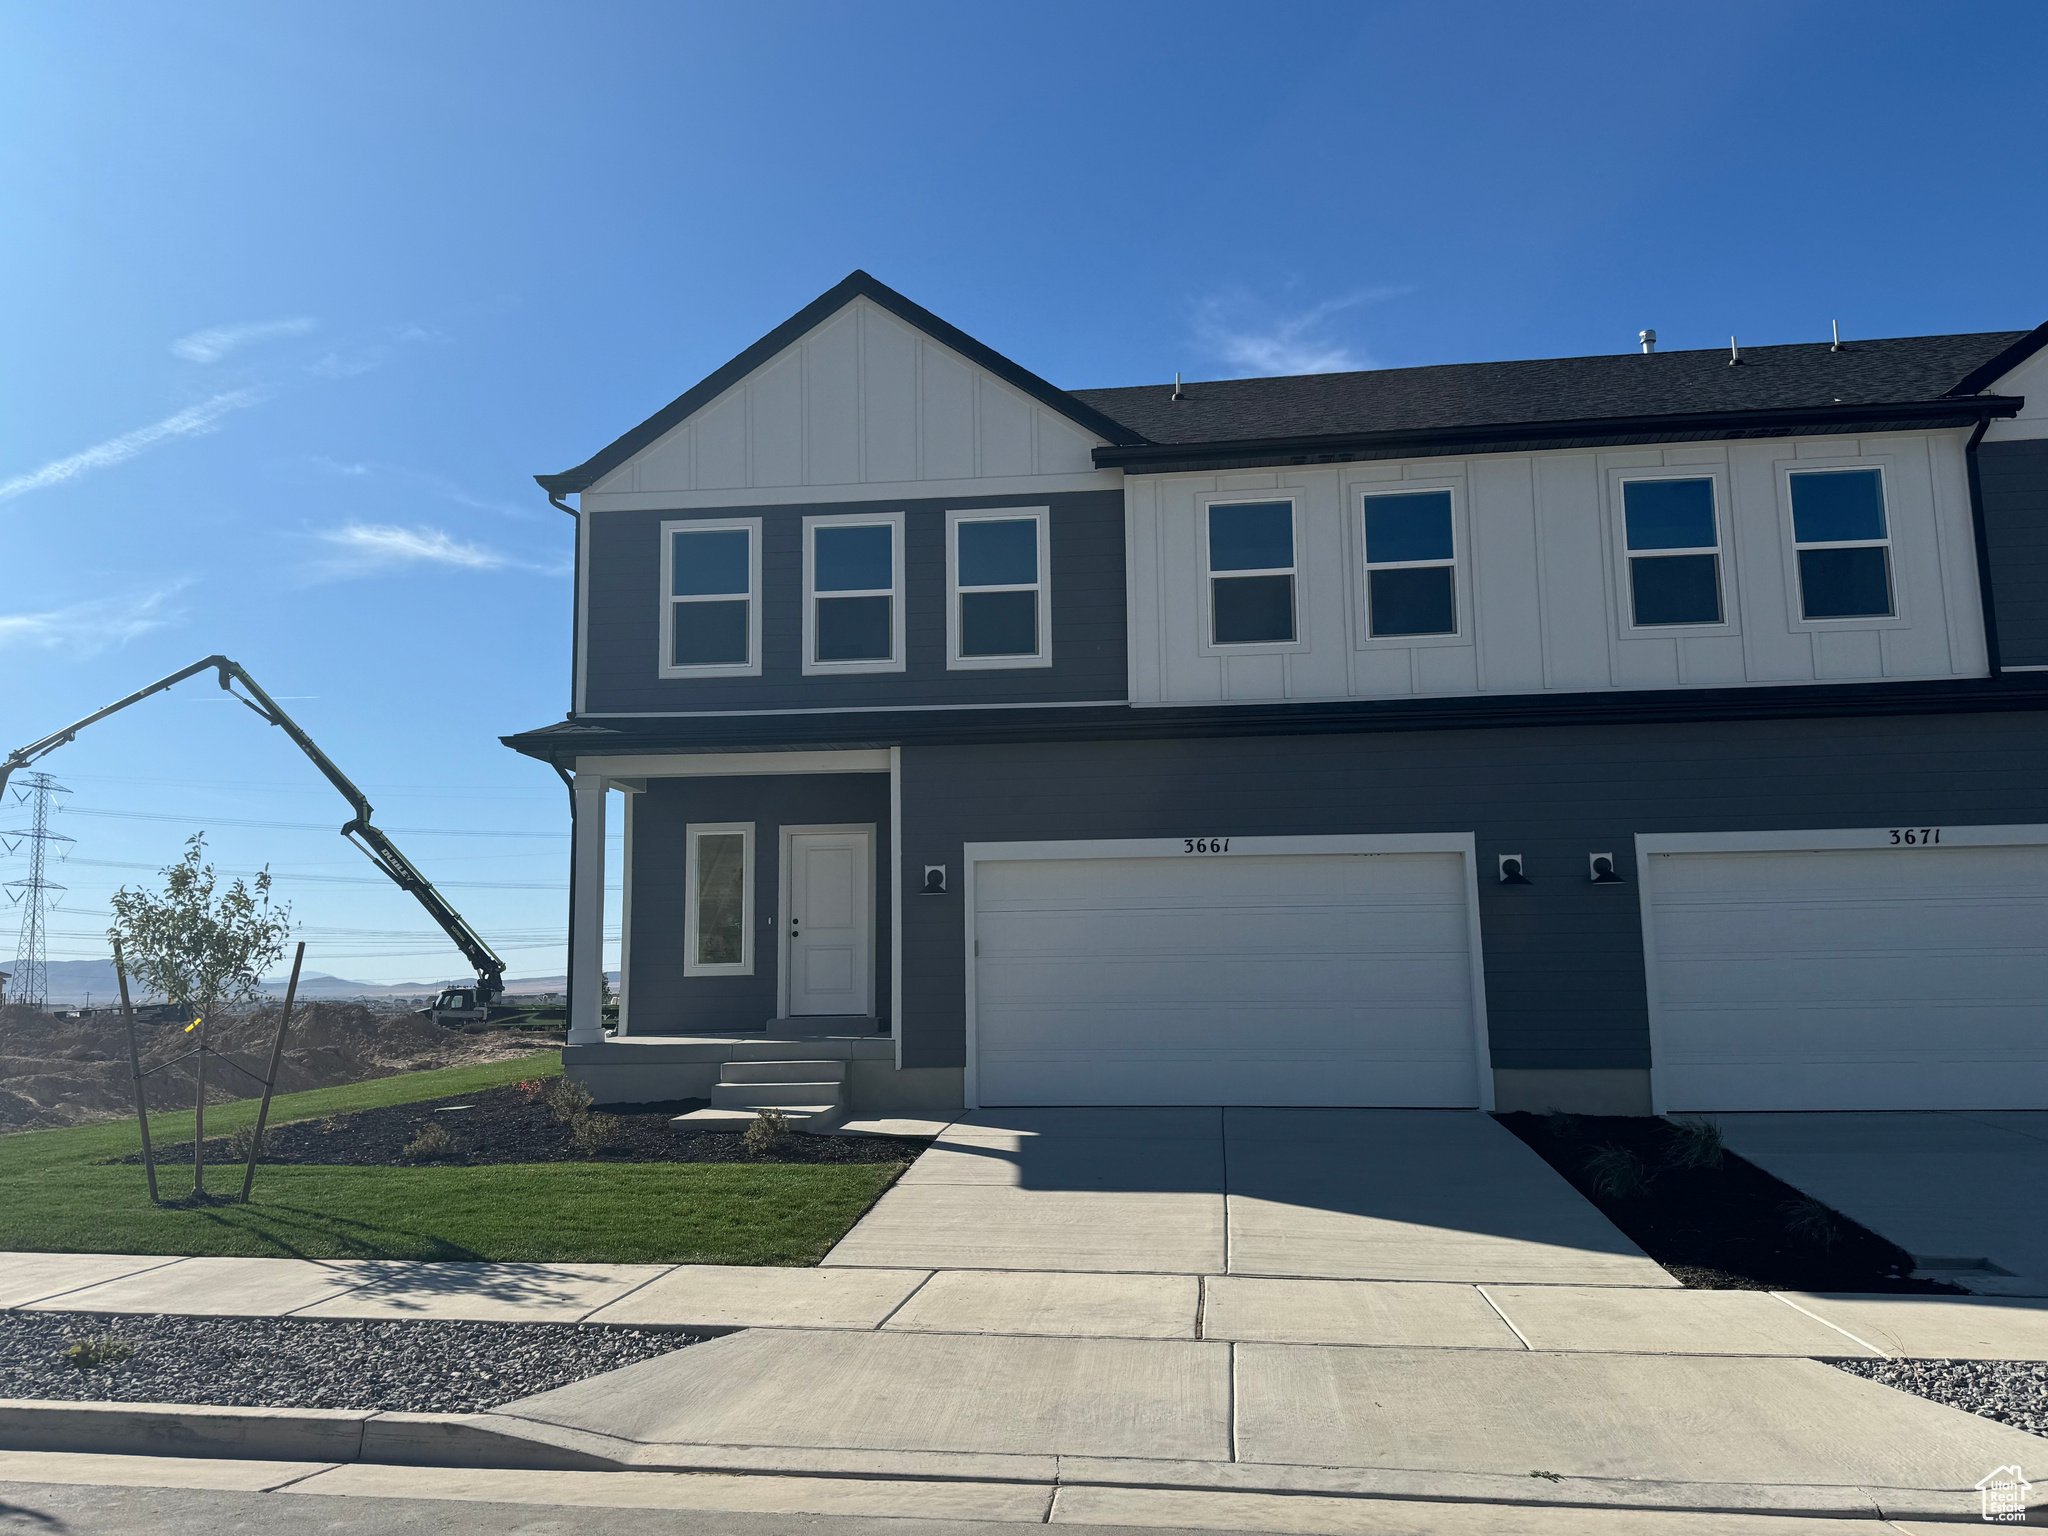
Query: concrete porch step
812, 1119
782, 1072
756, 1095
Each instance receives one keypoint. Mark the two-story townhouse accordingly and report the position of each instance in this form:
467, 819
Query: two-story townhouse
1656, 729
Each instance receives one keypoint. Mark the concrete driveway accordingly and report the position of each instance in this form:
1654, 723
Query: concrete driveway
1956, 1189
1347, 1194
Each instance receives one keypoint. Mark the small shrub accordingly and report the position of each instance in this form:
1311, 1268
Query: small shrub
335, 1124
1695, 1144
568, 1100
591, 1134
1617, 1173
770, 1132
532, 1089
1807, 1219
241, 1143
1562, 1124
432, 1143
98, 1349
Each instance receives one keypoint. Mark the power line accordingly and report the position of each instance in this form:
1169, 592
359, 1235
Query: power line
189, 818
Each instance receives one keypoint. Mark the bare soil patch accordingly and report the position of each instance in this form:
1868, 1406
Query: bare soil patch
56, 1071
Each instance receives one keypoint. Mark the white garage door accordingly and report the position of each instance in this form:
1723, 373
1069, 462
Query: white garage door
1245, 978
1850, 978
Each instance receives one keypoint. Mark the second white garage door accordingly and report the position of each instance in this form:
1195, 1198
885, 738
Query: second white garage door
1244, 978
1877, 977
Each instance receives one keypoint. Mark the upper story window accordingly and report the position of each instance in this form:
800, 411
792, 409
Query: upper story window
1843, 543
853, 593
1674, 551
998, 614
1250, 549
711, 615
1411, 585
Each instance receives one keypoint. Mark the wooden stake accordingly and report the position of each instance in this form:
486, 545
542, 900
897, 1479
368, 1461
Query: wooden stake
135, 1069
204, 1020
291, 991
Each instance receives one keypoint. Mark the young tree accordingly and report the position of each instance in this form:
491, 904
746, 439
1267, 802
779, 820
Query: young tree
202, 951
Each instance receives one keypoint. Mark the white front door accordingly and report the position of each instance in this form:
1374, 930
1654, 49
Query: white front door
831, 926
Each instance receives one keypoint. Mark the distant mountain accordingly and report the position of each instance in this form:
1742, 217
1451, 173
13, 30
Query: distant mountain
80, 981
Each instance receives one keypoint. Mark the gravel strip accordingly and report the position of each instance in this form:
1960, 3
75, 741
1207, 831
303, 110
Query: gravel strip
2013, 1392
263, 1362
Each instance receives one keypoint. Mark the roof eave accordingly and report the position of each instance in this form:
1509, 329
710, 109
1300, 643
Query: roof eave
1501, 437
857, 285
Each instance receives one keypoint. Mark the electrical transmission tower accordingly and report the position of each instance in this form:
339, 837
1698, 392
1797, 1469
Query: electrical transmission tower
31, 984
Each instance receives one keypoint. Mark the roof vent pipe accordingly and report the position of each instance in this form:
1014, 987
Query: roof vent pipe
1176, 387
1734, 352
1648, 339
1838, 336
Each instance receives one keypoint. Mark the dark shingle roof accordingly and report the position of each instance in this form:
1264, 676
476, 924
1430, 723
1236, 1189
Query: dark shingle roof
1624, 385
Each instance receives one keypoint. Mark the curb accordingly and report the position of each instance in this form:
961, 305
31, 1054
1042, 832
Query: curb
500, 1441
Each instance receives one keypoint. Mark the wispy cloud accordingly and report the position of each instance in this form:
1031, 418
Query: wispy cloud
190, 422
216, 342
1255, 341
440, 485
346, 363
95, 625
363, 547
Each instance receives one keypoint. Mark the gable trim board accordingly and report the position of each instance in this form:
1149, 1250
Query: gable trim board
1807, 1012
1306, 1050
857, 285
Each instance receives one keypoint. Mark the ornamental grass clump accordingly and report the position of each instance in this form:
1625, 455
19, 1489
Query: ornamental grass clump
1616, 1173
1695, 1144
432, 1143
1807, 1219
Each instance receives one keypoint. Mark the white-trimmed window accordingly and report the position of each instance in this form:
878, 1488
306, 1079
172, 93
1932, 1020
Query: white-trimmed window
1411, 564
1841, 538
1671, 529
718, 899
853, 592
1248, 555
999, 588
711, 598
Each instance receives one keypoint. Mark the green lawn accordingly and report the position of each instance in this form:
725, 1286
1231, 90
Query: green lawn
58, 1195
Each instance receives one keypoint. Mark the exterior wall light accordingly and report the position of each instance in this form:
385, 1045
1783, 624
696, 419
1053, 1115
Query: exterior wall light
1601, 867
1511, 870
934, 880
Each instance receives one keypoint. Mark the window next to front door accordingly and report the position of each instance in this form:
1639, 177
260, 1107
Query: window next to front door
853, 593
718, 899
711, 604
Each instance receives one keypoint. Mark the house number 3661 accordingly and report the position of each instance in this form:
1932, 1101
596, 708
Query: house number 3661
1205, 845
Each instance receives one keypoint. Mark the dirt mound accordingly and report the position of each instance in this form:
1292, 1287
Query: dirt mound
57, 1071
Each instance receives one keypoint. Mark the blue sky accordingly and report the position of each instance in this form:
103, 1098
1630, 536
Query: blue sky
297, 299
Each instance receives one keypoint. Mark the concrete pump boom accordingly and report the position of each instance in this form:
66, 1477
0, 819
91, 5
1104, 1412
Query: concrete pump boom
382, 852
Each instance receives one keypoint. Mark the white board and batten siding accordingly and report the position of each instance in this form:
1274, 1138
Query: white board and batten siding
1897, 968
1265, 970
1541, 583
862, 406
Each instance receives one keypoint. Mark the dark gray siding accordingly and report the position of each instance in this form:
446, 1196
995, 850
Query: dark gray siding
1564, 964
660, 999
2014, 481
1088, 646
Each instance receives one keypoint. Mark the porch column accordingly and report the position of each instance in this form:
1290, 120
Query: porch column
586, 924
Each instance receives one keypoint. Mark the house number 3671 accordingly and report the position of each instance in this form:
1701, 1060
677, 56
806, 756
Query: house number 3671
1205, 845
1914, 836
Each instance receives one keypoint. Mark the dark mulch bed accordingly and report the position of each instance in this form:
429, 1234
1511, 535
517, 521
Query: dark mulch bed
1731, 1227
281, 1362
510, 1125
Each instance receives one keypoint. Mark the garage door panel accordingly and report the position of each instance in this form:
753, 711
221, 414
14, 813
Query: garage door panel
1881, 978
1246, 979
